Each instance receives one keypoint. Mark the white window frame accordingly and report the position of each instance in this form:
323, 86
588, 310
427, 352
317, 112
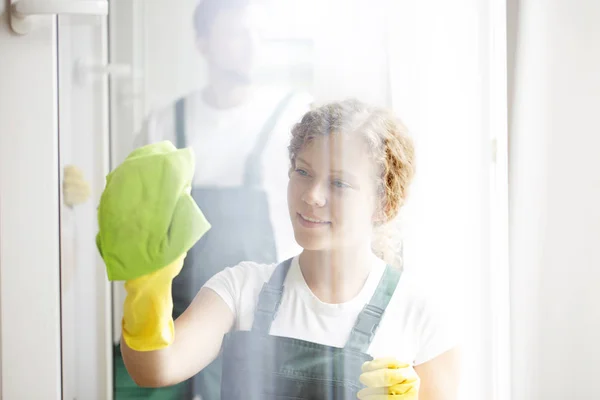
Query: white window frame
499, 274
31, 344
29, 214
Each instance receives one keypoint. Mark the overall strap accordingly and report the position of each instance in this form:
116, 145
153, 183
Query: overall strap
269, 299
253, 171
369, 318
180, 124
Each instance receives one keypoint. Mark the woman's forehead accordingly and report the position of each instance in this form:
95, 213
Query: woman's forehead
337, 151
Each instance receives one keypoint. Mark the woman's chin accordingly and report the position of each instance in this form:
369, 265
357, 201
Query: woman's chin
310, 242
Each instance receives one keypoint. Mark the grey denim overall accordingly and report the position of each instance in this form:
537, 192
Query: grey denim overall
258, 366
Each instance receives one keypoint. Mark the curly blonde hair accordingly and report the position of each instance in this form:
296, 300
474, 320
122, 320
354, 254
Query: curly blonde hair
390, 147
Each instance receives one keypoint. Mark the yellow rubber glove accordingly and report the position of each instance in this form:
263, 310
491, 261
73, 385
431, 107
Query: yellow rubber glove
76, 189
147, 313
388, 379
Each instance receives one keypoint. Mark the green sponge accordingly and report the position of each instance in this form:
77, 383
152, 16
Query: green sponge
147, 217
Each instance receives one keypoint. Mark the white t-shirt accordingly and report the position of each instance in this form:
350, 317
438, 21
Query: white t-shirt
414, 329
222, 140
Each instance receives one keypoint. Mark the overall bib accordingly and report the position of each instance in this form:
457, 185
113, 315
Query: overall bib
258, 366
241, 231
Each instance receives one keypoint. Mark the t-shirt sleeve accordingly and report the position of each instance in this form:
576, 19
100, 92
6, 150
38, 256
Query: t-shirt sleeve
227, 284
438, 329
240, 286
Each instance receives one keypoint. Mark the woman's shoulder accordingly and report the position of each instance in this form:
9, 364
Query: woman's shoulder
420, 293
246, 276
413, 287
240, 284
418, 303
428, 312
251, 272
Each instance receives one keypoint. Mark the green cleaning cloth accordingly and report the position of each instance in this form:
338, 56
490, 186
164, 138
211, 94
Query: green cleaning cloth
146, 216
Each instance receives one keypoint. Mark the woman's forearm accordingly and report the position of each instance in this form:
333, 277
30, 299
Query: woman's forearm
199, 333
148, 368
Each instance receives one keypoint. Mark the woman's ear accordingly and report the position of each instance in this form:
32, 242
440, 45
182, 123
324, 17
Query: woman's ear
380, 215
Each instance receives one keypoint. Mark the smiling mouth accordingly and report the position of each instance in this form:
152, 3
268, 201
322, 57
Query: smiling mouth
312, 220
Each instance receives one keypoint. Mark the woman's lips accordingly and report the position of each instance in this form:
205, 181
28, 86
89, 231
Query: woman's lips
311, 222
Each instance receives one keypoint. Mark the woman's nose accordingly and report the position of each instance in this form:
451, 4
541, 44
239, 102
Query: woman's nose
315, 195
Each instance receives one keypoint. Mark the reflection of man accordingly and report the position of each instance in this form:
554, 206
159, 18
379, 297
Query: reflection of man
239, 133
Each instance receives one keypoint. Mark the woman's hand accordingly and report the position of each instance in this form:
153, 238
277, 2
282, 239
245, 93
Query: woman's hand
147, 322
388, 379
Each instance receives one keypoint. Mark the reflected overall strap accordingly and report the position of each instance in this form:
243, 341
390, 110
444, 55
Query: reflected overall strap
180, 141
253, 175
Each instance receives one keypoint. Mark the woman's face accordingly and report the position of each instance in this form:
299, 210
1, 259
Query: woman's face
332, 194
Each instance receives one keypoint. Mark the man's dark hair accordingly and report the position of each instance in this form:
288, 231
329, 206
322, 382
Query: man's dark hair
207, 11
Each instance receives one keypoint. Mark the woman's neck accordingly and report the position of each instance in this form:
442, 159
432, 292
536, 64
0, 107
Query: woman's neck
336, 276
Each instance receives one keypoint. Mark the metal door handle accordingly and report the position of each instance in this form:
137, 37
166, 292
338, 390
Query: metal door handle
21, 11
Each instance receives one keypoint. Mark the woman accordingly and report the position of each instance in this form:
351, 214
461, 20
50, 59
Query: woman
309, 327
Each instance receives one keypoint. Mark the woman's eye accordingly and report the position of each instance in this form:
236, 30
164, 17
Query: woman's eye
340, 184
301, 172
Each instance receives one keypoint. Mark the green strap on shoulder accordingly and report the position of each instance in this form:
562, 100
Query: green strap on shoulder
370, 317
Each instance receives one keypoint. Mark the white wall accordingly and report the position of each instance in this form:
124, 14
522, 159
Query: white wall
29, 218
555, 198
